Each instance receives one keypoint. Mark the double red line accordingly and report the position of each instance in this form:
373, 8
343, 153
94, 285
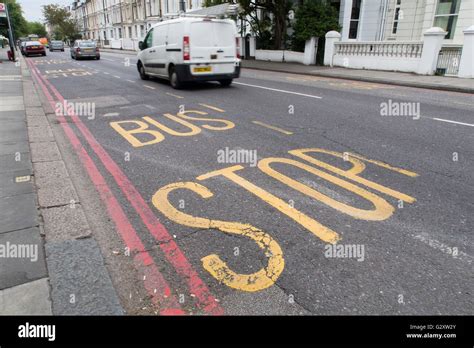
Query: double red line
154, 282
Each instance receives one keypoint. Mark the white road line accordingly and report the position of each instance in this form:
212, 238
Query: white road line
279, 90
110, 60
118, 77
106, 73
174, 95
148, 87
450, 121
449, 250
130, 81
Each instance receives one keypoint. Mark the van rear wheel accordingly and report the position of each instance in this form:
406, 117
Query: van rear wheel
225, 83
174, 79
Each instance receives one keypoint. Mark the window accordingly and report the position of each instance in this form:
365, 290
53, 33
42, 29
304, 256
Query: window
398, 16
149, 39
119, 33
355, 14
447, 15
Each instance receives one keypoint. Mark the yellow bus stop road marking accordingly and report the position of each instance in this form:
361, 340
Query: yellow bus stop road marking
273, 127
212, 107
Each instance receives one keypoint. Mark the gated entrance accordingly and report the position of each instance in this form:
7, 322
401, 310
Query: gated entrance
448, 60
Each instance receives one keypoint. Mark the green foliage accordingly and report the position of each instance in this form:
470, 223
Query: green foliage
55, 14
270, 33
36, 28
18, 22
64, 26
313, 18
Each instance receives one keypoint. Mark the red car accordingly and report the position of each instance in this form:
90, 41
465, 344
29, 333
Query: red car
34, 47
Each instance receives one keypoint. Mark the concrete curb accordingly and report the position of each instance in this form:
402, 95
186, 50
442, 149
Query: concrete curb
77, 285
371, 79
126, 52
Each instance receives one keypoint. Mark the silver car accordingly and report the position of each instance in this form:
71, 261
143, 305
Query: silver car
85, 49
56, 45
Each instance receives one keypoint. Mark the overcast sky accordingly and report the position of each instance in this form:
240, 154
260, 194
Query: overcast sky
32, 8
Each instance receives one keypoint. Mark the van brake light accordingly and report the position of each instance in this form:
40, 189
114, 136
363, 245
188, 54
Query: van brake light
237, 48
186, 50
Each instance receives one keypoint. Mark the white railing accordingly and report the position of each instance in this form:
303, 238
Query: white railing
381, 49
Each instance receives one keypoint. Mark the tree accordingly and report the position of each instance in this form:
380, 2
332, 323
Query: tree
36, 28
18, 22
55, 15
63, 25
270, 26
314, 18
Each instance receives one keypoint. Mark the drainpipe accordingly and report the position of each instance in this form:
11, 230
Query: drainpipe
382, 24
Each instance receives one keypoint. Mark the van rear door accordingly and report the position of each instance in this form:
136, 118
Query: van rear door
213, 46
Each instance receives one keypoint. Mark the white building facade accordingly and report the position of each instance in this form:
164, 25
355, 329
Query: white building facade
403, 20
123, 23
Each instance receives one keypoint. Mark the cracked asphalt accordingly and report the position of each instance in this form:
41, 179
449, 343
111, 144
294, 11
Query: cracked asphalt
258, 236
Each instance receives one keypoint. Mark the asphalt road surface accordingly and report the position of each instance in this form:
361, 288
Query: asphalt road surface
282, 194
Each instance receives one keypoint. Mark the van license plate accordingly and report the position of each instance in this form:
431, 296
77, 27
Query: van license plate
203, 69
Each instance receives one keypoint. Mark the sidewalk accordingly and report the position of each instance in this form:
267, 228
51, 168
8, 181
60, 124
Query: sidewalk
24, 285
394, 78
49, 261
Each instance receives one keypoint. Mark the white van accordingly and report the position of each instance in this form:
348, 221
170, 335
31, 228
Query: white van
191, 49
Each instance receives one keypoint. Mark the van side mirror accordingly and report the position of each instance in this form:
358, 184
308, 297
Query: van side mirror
141, 46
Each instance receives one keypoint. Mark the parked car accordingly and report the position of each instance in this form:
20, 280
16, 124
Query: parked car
22, 47
34, 47
190, 49
56, 45
85, 49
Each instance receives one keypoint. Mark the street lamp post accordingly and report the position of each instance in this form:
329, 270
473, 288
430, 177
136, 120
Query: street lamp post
10, 32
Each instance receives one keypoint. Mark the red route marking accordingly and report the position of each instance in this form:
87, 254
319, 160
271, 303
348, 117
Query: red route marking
173, 253
153, 279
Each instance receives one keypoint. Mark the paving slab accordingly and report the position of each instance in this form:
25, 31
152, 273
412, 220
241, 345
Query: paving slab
39, 134
22, 257
44, 151
13, 131
79, 280
65, 223
16, 115
53, 193
12, 147
18, 212
34, 111
37, 121
47, 171
26, 299
15, 161
12, 88
16, 183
